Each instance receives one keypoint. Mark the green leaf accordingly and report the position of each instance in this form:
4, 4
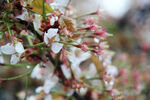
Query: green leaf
37, 6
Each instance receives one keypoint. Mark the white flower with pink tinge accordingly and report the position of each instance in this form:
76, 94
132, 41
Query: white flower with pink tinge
45, 74
77, 56
15, 50
49, 83
52, 33
37, 22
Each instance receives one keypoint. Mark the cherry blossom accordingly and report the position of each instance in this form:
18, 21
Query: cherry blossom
15, 50
52, 33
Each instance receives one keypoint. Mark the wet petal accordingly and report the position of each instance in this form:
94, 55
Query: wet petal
8, 49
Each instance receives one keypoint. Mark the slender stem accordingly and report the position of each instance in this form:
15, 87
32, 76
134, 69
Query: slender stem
65, 43
8, 27
15, 65
91, 13
26, 87
44, 13
93, 78
60, 93
17, 77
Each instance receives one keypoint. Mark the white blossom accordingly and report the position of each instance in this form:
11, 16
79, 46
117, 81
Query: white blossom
15, 58
109, 85
19, 48
24, 15
91, 71
76, 60
49, 83
66, 71
36, 72
15, 50
112, 70
56, 47
37, 23
8, 49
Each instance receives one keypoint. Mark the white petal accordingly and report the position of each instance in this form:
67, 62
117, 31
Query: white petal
36, 72
48, 97
37, 23
109, 85
46, 38
112, 70
19, 47
15, 58
52, 20
78, 59
24, 15
39, 89
91, 72
8, 49
31, 98
51, 32
56, 47
66, 71
50, 83
76, 70
83, 90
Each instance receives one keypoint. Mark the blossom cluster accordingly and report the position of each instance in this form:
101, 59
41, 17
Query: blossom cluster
68, 54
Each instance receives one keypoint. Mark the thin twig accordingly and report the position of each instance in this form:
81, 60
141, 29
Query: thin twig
26, 87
